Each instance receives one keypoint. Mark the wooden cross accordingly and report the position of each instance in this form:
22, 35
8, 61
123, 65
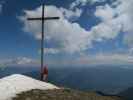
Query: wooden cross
42, 19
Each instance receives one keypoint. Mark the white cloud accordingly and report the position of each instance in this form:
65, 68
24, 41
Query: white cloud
115, 20
83, 3
117, 60
1, 8
2, 2
71, 36
18, 61
69, 14
23, 60
105, 13
105, 59
107, 30
51, 51
125, 9
84, 60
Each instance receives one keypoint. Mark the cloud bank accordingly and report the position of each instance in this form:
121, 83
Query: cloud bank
1, 8
106, 60
18, 61
79, 3
70, 37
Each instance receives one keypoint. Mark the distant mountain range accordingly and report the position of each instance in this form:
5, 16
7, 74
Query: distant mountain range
108, 80
8, 70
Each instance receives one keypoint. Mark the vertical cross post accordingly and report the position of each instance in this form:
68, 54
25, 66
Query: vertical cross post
42, 43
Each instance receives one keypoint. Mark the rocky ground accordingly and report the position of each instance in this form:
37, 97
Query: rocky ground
62, 94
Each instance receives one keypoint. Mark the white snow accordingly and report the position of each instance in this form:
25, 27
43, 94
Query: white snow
15, 84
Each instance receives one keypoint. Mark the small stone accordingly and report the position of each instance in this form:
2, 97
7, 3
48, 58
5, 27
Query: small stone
28, 98
44, 97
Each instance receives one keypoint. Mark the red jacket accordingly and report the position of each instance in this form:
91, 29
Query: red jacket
45, 71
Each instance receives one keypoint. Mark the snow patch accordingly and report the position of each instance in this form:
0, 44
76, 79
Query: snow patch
15, 84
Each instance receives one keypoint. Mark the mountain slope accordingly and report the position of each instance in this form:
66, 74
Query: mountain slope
62, 94
14, 84
127, 94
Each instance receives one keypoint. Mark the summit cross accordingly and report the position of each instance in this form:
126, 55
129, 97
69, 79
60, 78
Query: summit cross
42, 19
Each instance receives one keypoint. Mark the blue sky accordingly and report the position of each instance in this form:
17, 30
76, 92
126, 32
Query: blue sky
87, 28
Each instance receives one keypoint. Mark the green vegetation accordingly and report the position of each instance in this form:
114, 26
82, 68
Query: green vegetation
62, 94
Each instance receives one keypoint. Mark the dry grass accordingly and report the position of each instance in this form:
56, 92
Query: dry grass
62, 94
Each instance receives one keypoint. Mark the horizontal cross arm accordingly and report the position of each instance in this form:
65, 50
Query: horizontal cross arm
35, 18
51, 18
46, 18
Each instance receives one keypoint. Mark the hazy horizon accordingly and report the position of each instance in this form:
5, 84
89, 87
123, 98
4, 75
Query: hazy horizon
89, 32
